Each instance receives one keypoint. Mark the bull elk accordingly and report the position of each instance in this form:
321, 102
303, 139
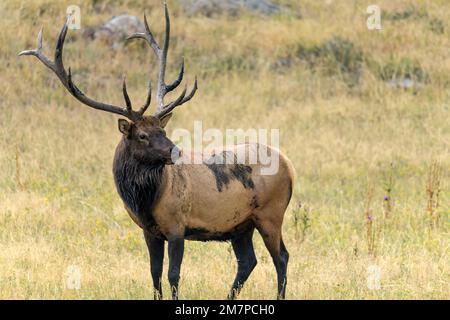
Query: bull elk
176, 202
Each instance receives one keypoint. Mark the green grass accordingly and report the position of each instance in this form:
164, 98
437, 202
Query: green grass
59, 207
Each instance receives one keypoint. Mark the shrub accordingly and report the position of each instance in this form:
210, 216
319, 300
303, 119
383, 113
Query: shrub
406, 68
437, 26
336, 56
410, 12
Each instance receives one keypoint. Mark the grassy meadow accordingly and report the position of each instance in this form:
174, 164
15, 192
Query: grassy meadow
361, 224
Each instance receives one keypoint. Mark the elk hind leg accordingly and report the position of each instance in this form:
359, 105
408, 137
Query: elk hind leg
246, 260
271, 234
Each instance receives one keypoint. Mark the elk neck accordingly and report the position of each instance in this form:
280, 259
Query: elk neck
138, 184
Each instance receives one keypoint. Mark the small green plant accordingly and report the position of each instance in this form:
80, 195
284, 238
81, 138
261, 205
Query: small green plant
433, 190
302, 221
388, 185
371, 234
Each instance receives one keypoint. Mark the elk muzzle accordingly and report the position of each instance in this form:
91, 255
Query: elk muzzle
175, 155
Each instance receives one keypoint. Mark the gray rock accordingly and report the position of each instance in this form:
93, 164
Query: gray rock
116, 30
231, 7
405, 83
263, 6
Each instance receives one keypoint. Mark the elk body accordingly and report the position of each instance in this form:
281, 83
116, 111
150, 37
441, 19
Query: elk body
184, 201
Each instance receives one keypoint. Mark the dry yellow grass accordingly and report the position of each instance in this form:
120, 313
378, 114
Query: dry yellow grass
60, 207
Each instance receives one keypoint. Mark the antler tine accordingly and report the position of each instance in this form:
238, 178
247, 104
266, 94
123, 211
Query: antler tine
180, 100
148, 100
125, 95
162, 88
57, 67
38, 53
178, 80
148, 36
162, 69
167, 34
177, 101
191, 94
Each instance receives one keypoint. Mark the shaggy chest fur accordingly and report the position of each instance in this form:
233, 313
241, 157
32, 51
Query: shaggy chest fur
139, 186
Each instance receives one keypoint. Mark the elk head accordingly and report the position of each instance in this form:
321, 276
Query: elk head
144, 135
147, 141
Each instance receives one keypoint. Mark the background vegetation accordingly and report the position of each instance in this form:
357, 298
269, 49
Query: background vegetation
370, 157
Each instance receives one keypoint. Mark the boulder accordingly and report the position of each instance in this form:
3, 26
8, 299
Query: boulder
116, 30
231, 7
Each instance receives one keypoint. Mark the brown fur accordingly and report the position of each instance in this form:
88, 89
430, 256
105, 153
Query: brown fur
206, 201
191, 198
182, 206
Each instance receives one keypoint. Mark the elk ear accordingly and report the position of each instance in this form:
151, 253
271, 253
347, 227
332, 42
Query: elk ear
163, 121
125, 127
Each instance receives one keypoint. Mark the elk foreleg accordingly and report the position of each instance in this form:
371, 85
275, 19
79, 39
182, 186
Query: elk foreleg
176, 251
156, 251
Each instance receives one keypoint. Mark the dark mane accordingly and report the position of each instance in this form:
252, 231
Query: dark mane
137, 184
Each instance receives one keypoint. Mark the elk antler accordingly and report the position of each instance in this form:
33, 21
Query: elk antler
65, 77
164, 88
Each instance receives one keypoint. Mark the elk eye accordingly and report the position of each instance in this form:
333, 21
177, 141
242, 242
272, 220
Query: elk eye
143, 136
